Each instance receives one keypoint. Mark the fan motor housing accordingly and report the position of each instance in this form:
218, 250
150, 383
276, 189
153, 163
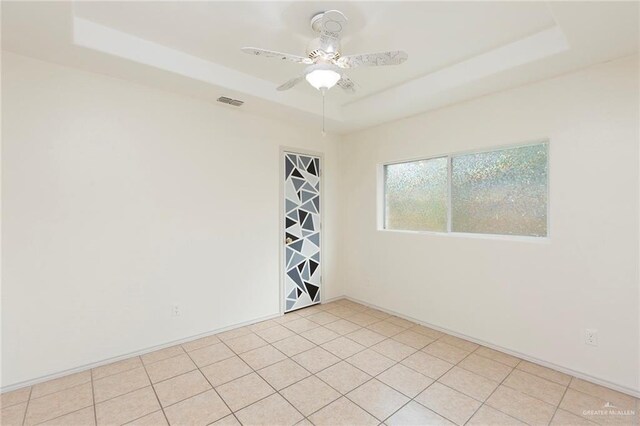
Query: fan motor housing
314, 51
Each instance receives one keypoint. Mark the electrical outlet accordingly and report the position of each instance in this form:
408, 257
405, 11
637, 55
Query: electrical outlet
175, 311
591, 336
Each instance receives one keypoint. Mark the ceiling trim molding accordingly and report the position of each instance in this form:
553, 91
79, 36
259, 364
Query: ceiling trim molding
409, 97
406, 99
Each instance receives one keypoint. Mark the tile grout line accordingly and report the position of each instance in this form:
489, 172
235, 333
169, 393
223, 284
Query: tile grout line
566, 387
210, 384
16, 403
304, 417
329, 385
410, 399
419, 393
26, 409
495, 360
294, 361
436, 380
277, 391
442, 375
588, 395
323, 369
376, 378
93, 396
138, 418
399, 362
154, 392
118, 372
553, 381
298, 334
128, 392
533, 396
311, 374
561, 399
100, 402
488, 397
254, 371
482, 403
61, 415
372, 377
31, 398
530, 396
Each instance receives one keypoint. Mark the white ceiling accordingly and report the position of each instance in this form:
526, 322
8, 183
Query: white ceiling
457, 50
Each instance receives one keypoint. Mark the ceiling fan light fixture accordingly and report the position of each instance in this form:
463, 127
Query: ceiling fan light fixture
324, 57
322, 77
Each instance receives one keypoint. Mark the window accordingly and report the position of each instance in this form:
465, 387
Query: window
500, 192
416, 195
496, 192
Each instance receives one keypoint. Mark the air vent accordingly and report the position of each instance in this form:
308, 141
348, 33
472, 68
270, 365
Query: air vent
230, 101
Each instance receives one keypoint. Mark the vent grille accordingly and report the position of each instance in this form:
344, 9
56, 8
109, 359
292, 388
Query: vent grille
230, 101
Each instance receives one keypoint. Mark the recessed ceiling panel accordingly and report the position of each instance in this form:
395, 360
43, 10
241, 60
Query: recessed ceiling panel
434, 34
457, 50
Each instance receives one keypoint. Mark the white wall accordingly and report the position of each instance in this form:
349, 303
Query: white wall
119, 201
531, 297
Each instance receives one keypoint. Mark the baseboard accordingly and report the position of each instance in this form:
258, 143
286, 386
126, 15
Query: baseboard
144, 351
333, 299
578, 374
602, 382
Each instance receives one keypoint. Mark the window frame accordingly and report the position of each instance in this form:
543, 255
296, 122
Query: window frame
381, 216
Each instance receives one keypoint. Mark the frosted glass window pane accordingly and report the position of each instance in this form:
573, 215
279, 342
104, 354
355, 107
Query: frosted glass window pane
416, 195
500, 192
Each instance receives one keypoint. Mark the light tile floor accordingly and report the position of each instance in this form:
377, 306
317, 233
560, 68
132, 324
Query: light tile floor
332, 364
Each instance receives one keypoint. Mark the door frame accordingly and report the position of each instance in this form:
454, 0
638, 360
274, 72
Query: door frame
281, 176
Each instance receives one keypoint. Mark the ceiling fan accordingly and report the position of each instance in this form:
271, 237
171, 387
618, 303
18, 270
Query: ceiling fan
324, 60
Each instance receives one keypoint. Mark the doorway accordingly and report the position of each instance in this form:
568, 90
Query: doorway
302, 230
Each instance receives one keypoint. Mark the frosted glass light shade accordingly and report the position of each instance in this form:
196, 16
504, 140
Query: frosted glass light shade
323, 78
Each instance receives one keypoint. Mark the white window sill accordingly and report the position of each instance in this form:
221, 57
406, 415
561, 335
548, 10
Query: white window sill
499, 237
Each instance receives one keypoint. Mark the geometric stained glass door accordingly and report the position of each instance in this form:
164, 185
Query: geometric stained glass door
302, 276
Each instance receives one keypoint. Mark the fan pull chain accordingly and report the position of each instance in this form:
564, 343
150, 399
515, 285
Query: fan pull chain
323, 92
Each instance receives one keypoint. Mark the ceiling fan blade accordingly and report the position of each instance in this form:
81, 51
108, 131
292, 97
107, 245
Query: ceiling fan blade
394, 57
289, 84
347, 84
331, 28
278, 55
